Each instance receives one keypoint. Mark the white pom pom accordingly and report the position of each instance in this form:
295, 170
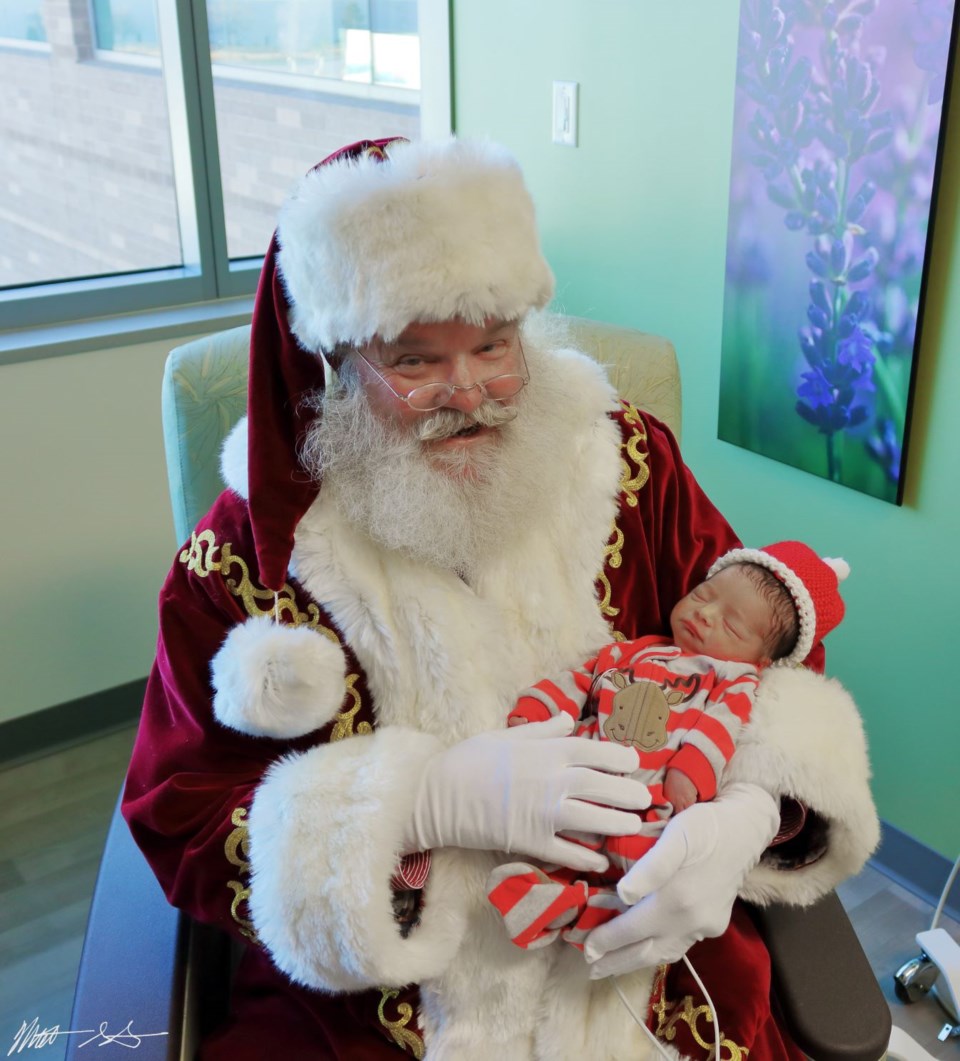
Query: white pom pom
840, 567
273, 680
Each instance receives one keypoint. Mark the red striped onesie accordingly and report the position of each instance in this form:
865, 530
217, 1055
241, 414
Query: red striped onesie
678, 710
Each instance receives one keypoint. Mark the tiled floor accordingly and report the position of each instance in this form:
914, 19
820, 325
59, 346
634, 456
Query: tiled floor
54, 813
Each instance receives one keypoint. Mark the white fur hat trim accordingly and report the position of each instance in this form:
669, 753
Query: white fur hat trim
272, 680
438, 231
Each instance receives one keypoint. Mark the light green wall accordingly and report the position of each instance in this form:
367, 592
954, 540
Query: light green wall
634, 223
87, 530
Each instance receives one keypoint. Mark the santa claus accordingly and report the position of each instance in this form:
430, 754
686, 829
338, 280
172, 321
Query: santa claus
432, 503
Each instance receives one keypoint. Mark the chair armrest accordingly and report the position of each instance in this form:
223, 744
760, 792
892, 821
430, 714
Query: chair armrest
132, 967
826, 992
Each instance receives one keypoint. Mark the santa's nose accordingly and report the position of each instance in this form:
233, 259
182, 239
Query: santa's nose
465, 399
463, 376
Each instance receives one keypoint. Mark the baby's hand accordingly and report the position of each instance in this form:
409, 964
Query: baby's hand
516, 720
679, 790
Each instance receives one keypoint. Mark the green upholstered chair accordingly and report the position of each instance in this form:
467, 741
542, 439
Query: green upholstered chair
145, 961
204, 393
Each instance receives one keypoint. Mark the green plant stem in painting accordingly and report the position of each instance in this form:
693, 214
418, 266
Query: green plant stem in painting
840, 298
892, 393
833, 458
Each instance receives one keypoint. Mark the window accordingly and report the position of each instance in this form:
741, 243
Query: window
21, 21
126, 27
148, 146
87, 168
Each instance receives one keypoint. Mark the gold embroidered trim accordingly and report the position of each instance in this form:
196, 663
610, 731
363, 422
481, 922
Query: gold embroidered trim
683, 1011
375, 151
201, 558
237, 850
612, 557
631, 484
401, 1034
343, 727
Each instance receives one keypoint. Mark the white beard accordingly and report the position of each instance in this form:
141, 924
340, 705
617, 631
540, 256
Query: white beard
449, 511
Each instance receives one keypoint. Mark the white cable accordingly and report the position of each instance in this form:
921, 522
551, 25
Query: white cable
717, 1037
713, 1009
944, 894
641, 1023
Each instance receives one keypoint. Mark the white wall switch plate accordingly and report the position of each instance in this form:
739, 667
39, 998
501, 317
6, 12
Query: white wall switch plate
565, 98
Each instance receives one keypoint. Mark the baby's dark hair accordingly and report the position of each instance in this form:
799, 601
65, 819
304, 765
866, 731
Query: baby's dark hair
786, 623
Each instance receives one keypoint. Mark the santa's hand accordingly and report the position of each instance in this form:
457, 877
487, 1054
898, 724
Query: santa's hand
683, 889
516, 789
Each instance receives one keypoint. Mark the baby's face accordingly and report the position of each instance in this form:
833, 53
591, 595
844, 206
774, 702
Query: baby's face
726, 618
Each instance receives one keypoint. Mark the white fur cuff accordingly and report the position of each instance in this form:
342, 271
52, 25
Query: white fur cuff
272, 680
805, 739
324, 843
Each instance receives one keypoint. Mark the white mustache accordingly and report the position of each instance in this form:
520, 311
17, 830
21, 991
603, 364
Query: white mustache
447, 422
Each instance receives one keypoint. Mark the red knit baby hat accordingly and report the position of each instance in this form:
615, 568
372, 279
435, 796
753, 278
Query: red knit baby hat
813, 582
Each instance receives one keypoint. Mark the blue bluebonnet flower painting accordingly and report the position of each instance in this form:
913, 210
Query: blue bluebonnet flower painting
838, 119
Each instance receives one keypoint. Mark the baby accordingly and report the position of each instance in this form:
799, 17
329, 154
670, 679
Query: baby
681, 704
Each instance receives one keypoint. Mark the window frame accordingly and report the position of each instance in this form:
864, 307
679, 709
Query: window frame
207, 278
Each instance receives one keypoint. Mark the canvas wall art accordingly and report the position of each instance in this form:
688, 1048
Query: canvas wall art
838, 131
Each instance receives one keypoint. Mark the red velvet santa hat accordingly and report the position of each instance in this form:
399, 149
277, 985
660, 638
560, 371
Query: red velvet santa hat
813, 582
379, 235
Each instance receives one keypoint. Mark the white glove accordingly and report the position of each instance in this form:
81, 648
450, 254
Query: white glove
515, 789
683, 889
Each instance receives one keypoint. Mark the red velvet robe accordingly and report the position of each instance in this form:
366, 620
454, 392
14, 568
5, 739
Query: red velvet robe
191, 780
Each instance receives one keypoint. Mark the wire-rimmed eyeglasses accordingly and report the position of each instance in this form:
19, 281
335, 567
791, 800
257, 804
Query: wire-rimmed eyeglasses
431, 396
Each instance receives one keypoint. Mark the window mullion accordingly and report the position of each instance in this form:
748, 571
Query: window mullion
436, 103
193, 137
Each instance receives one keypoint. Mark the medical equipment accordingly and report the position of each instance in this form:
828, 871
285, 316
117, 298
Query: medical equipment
937, 970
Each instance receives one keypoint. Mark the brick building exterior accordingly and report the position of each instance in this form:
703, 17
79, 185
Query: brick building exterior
86, 174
